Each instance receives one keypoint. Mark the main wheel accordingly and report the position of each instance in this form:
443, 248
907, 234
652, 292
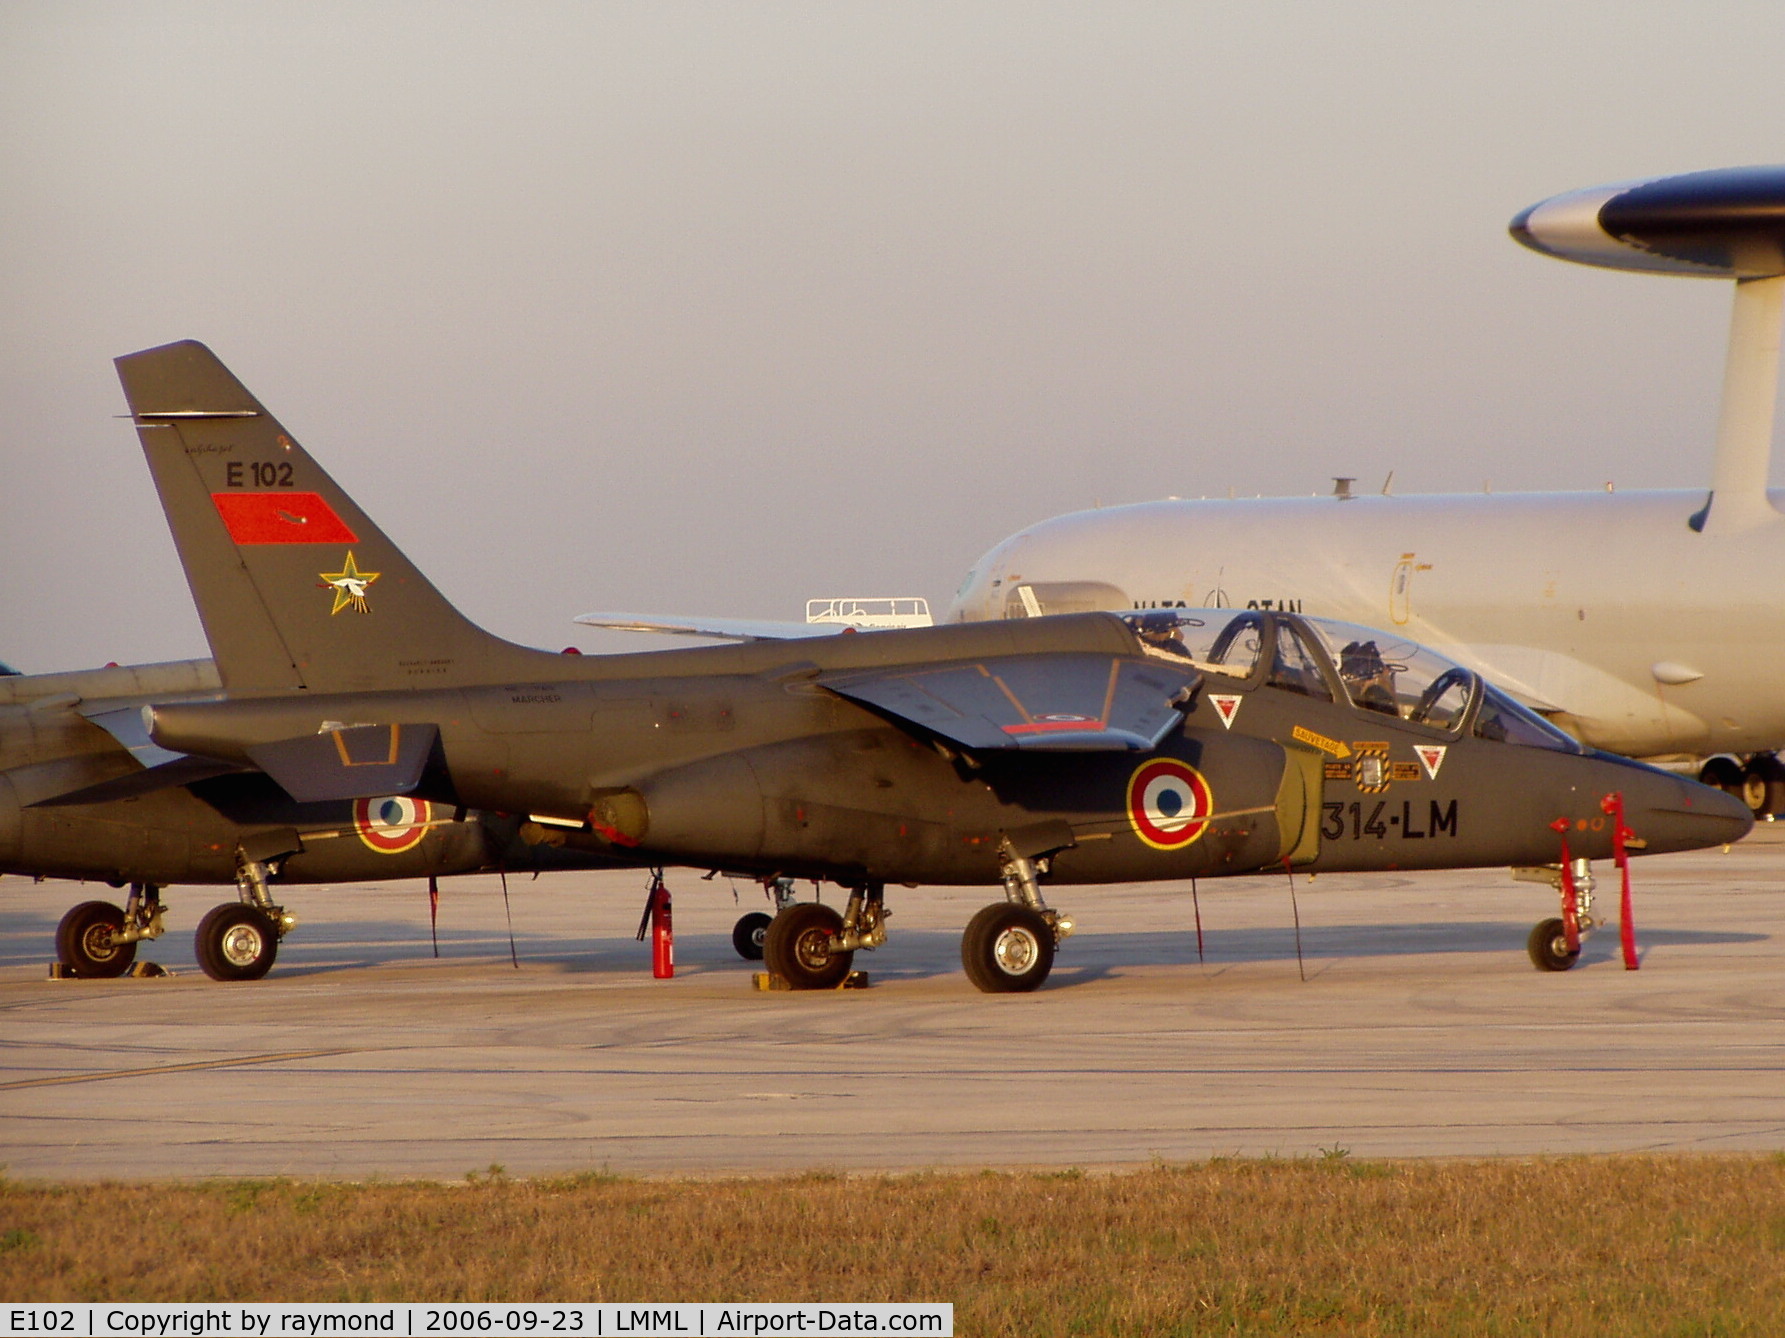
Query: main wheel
1548, 946
1763, 786
84, 941
1008, 949
748, 933
236, 942
1724, 774
799, 947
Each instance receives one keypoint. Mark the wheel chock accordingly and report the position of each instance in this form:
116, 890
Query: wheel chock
768, 980
137, 971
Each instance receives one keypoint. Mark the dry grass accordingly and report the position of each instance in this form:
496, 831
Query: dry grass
1649, 1245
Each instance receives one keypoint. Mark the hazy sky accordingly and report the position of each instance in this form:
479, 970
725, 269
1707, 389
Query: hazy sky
708, 308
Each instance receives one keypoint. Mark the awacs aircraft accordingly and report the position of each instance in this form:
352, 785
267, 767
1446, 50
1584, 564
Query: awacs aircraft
1076, 750
1645, 623
85, 794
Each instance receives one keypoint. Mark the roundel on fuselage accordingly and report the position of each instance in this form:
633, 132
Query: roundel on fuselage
1169, 803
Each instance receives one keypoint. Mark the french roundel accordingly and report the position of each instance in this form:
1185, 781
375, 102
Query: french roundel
393, 824
1169, 803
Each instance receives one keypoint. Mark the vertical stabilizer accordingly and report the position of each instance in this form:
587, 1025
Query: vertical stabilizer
297, 588
1724, 224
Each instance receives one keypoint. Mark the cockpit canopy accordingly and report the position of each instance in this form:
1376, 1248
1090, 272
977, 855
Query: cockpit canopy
1373, 670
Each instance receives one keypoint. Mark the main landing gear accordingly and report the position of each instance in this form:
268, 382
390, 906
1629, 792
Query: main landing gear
239, 940
811, 947
97, 941
750, 932
1009, 947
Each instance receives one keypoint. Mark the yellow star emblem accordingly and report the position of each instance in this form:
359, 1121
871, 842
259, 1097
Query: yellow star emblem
349, 586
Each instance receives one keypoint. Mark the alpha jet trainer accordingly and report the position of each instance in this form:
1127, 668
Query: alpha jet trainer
85, 794
1038, 753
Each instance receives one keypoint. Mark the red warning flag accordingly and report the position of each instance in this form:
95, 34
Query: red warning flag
281, 518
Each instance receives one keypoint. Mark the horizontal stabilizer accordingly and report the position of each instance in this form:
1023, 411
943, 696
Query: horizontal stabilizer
1055, 702
181, 770
352, 762
127, 726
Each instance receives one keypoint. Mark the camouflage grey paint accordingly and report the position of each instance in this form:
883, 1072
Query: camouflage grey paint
740, 757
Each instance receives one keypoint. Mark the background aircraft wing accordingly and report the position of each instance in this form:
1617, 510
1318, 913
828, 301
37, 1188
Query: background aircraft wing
727, 629
1054, 702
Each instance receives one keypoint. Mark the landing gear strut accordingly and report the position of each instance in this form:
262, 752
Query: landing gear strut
97, 941
811, 947
240, 940
1548, 943
1009, 947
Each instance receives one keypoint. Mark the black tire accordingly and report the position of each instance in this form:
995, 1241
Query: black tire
1724, 774
1008, 949
748, 933
798, 947
84, 942
236, 942
1763, 786
1548, 946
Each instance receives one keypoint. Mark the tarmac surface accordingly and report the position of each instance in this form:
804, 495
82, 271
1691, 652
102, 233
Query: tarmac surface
1421, 1029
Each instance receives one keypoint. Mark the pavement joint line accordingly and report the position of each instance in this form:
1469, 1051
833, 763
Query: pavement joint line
65, 1078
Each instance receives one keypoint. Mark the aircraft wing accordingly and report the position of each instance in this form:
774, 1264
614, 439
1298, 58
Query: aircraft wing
727, 629
1056, 702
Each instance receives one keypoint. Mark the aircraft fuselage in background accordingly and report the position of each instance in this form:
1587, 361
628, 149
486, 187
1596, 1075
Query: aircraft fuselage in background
1607, 611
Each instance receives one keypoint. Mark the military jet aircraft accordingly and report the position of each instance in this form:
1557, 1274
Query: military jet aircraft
85, 794
1056, 751
1645, 622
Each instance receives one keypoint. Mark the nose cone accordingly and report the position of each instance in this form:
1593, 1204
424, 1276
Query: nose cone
1672, 813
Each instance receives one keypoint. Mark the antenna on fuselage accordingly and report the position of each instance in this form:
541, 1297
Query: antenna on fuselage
1724, 224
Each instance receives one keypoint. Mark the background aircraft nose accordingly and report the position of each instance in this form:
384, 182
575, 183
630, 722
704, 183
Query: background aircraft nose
1672, 813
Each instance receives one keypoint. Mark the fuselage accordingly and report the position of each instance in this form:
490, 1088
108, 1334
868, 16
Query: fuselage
1607, 611
49, 746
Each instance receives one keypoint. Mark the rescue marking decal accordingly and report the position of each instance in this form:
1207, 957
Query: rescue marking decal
281, 518
349, 585
1431, 757
1227, 706
393, 824
1370, 771
1320, 741
1168, 803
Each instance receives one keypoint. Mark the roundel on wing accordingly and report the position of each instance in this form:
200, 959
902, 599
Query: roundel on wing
1168, 803
392, 824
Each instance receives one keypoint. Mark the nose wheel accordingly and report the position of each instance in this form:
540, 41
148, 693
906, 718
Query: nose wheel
1548, 946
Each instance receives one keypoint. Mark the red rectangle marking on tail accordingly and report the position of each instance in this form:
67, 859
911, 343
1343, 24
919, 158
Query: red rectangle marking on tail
281, 518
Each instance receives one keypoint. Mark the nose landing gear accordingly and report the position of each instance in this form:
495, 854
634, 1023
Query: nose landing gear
1555, 943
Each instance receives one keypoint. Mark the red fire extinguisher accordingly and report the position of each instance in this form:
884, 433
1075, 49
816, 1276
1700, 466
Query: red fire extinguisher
657, 919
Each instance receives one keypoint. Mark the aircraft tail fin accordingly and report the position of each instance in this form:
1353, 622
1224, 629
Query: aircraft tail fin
296, 587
